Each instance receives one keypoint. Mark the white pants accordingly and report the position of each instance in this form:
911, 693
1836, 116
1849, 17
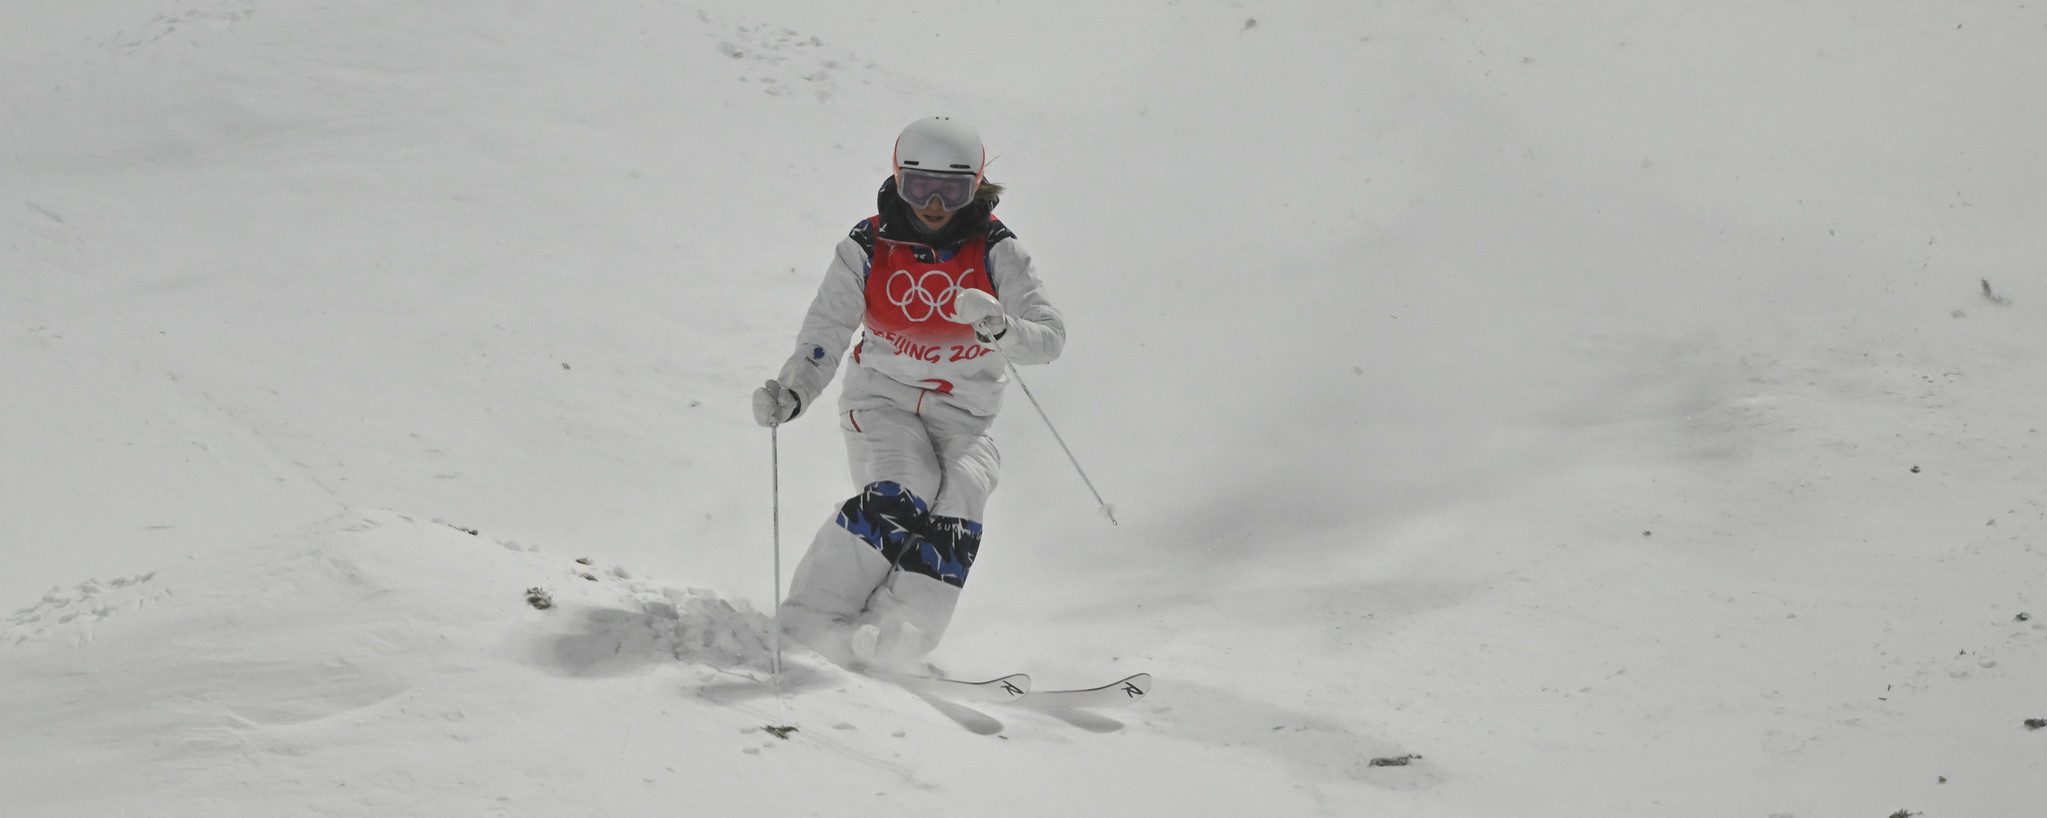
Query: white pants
896, 554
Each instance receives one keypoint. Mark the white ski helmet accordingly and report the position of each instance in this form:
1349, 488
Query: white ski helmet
941, 144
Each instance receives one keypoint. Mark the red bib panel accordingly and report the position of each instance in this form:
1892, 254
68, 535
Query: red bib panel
908, 301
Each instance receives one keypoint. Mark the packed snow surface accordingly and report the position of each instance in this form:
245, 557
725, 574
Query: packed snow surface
1511, 408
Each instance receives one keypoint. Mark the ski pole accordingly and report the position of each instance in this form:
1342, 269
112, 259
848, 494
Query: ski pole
1108, 511
775, 621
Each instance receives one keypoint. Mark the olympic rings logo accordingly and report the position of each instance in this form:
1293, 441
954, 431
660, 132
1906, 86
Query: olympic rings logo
922, 296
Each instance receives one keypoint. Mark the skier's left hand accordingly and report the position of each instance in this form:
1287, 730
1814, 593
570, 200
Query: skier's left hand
981, 310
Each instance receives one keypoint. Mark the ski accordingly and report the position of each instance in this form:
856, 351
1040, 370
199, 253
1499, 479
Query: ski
1016, 689
1001, 690
1126, 691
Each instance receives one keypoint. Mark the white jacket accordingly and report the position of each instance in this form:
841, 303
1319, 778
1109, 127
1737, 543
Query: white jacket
973, 378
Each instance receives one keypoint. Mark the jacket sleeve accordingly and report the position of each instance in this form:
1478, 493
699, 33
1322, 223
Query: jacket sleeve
1037, 332
835, 313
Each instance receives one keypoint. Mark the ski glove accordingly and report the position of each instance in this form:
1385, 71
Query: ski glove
981, 310
774, 404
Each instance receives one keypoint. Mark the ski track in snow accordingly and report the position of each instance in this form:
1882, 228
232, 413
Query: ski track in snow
69, 616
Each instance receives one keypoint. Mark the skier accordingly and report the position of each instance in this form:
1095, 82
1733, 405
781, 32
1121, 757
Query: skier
948, 298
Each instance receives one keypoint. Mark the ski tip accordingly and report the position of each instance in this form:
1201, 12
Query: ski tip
999, 689
1017, 684
1119, 693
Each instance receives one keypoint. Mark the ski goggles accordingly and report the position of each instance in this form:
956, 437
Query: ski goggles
952, 190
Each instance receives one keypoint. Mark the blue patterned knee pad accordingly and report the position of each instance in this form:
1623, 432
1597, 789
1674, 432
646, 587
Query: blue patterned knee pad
901, 526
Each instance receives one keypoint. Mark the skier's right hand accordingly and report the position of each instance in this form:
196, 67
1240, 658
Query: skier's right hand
774, 404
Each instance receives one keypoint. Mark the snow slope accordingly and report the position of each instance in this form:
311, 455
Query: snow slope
1626, 408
